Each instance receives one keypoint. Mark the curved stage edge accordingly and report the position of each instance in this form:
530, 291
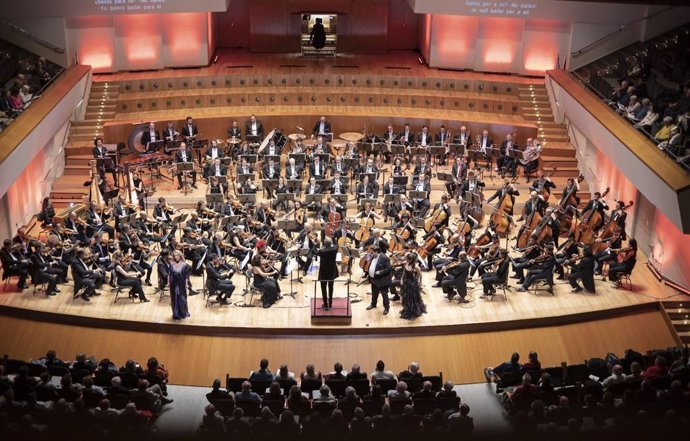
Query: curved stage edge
214, 330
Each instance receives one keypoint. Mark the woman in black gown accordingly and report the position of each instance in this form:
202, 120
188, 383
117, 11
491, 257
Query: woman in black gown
265, 282
411, 289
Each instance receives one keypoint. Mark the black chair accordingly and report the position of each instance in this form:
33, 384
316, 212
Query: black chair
386, 385
234, 384
371, 407
276, 406
12, 365
103, 378
337, 387
302, 409
662, 382
250, 409
92, 400
129, 381
79, 374
414, 384
118, 401
347, 408
617, 389
308, 386
260, 386
325, 409
362, 386
449, 403
557, 377
576, 373
397, 405
225, 406
424, 406
286, 385
436, 381
35, 369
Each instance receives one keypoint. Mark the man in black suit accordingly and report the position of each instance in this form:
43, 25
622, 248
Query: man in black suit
380, 277
322, 127
85, 277
270, 170
234, 131
149, 136
184, 155
424, 138
406, 137
254, 128
389, 136
422, 204
506, 190
217, 281
213, 151
170, 133
506, 163
459, 173
292, 169
498, 276
313, 188
543, 270
485, 142
598, 204
584, 270
421, 170
190, 130
13, 264
100, 152
328, 271
463, 137
457, 279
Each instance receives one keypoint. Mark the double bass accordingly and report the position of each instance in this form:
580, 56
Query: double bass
610, 227
500, 217
531, 223
585, 232
544, 191
568, 200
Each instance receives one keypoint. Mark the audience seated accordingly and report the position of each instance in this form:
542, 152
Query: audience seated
263, 373
380, 372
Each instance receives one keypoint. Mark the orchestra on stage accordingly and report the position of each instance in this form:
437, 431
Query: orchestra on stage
274, 204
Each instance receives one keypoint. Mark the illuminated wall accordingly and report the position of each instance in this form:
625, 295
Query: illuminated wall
493, 44
137, 42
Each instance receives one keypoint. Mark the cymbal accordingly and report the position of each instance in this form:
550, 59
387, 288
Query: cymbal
309, 142
338, 143
233, 140
351, 136
295, 136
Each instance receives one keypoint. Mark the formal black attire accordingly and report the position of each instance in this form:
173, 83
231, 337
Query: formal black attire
219, 283
134, 283
148, 137
259, 129
456, 280
186, 158
328, 271
583, 269
380, 277
498, 276
85, 277
319, 130
14, 265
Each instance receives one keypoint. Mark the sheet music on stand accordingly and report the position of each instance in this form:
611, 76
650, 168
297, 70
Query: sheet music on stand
242, 177
324, 183
282, 197
295, 184
445, 177
299, 158
397, 149
287, 224
417, 194
437, 151
154, 146
456, 149
316, 197
372, 176
351, 163
251, 159
418, 150
341, 198
226, 160
400, 180
276, 158
269, 183
184, 166
388, 198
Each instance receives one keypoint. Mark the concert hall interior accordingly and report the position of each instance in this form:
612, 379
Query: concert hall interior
192, 189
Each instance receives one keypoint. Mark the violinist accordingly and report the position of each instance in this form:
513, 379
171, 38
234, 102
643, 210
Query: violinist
217, 281
27, 246
61, 255
608, 255
456, 278
489, 253
121, 211
307, 240
140, 255
264, 215
599, 205
220, 249
145, 229
506, 190
532, 251
240, 248
452, 252
264, 281
276, 249
196, 224
499, 276
193, 249
567, 249
76, 228
45, 270
231, 206
101, 252
541, 268
365, 189
163, 212
184, 154
127, 238
129, 275
97, 218
582, 270
86, 278
14, 264
47, 213
627, 259
338, 186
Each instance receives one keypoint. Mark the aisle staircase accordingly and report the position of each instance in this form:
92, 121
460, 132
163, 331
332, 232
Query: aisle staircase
679, 314
69, 189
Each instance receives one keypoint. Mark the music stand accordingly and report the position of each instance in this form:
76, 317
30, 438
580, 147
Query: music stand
400, 181
282, 197
352, 253
390, 198
269, 184
247, 198
153, 146
185, 167
312, 198
299, 158
351, 163
213, 198
473, 155
242, 177
293, 255
178, 220
397, 149
341, 198
417, 194
275, 158
295, 185
363, 201
324, 183
253, 139
251, 159
226, 161
445, 177
456, 149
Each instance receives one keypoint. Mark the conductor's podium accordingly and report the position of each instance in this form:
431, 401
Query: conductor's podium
339, 314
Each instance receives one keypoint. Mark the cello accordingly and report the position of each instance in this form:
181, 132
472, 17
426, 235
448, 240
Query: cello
365, 225
334, 219
437, 217
429, 244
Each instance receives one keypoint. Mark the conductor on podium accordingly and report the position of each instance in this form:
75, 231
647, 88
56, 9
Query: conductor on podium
328, 271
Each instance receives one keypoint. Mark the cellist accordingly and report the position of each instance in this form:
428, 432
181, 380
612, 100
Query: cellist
405, 229
440, 215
